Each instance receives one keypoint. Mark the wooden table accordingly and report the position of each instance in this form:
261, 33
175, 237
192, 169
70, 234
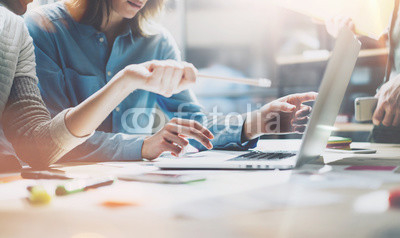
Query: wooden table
81, 216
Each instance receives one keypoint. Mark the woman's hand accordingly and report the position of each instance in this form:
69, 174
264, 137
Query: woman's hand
335, 24
284, 115
166, 77
387, 111
173, 138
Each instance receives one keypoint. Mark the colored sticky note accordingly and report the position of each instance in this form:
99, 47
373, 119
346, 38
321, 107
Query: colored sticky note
371, 167
336, 142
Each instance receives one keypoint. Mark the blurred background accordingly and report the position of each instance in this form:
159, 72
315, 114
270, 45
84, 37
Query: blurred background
257, 38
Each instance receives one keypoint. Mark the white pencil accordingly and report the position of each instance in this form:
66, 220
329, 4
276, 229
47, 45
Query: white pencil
260, 82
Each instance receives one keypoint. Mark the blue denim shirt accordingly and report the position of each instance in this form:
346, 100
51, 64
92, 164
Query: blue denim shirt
74, 61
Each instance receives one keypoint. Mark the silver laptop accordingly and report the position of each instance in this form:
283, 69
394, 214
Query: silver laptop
331, 92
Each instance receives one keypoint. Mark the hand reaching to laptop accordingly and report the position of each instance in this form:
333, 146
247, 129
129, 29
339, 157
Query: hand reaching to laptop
284, 115
173, 138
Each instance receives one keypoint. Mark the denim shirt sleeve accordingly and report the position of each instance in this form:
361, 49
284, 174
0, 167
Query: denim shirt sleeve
104, 146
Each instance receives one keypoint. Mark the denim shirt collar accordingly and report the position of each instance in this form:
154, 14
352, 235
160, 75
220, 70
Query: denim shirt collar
88, 30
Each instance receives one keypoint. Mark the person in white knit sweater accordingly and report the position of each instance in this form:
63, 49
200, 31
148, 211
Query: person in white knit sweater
39, 140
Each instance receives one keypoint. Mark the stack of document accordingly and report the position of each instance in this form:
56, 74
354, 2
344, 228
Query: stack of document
336, 142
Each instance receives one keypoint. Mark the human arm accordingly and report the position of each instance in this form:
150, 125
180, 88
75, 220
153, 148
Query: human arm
40, 141
284, 115
387, 111
154, 76
227, 129
59, 87
36, 138
335, 24
101, 146
240, 132
167, 78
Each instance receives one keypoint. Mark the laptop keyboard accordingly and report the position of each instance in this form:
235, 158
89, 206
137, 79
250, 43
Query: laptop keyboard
258, 155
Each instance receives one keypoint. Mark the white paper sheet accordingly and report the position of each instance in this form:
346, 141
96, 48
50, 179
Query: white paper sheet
266, 198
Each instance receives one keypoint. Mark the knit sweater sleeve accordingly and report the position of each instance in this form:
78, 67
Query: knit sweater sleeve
26, 65
37, 139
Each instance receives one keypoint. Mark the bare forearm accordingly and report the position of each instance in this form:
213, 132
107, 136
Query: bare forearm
370, 43
162, 77
83, 119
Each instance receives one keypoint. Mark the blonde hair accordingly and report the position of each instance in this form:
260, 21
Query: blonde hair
96, 10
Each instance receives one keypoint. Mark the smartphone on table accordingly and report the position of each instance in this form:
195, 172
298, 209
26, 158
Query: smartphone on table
154, 177
352, 151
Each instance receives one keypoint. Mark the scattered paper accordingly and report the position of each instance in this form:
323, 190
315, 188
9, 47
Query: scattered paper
371, 168
356, 178
375, 202
15, 190
328, 177
261, 199
366, 161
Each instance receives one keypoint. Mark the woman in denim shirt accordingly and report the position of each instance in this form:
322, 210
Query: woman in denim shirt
37, 139
83, 44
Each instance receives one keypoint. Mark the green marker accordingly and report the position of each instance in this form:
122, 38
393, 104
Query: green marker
81, 186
